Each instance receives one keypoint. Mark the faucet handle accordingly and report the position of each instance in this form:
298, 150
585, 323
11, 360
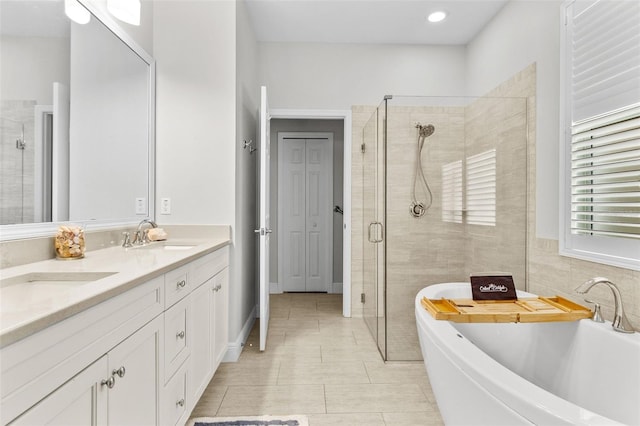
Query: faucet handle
597, 314
127, 240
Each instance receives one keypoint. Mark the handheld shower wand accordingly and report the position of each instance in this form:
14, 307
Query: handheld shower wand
418, 208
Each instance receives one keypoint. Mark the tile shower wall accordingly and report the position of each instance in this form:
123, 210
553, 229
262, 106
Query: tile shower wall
500, 124
425, 250
16, 165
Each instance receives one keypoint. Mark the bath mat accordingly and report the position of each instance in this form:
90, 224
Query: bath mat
250, 421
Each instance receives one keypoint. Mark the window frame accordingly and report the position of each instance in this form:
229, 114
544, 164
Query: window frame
614, 251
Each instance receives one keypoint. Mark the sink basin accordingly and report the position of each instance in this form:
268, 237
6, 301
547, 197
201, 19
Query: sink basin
165, 245
41, 290
60, 279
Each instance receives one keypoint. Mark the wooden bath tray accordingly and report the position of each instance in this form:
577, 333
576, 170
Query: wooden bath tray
540, 309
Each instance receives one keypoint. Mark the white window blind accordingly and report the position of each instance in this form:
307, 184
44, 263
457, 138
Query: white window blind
602, 126
605, 56
481, 189
605, 175
452, 192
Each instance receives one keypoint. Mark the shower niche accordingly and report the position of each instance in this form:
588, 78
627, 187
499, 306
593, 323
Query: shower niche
443, 191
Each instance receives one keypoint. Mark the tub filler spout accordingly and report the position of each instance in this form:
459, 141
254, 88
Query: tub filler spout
620, 322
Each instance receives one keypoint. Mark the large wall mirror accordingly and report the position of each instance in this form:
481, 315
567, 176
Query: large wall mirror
76, 121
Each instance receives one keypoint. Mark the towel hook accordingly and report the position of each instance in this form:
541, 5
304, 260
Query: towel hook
249, 145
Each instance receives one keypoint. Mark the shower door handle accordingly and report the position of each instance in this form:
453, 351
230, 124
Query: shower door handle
376, 239
381, 237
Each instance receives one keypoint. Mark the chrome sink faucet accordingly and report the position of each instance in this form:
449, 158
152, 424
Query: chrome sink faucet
620, 321
141, 237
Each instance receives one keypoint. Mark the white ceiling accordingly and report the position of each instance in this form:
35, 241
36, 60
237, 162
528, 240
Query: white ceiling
370, 21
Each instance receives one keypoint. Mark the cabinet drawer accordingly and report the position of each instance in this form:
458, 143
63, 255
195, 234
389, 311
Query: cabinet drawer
176, 285
174, 402
207, 266
177, 337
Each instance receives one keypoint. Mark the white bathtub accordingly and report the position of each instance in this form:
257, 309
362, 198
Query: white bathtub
563, 373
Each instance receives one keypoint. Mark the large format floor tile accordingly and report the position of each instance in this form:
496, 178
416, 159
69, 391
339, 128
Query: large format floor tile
322, 365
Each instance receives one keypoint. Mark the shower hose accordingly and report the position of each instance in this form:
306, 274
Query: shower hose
418, 208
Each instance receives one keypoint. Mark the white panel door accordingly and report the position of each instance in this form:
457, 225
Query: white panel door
305, 192
319, 214
265, 223
292, 181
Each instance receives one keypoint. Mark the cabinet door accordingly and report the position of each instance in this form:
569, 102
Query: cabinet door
201, 330
177, 336
81, 401
221, 316
133, 400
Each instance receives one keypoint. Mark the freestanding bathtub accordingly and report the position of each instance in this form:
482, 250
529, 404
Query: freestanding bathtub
562, 373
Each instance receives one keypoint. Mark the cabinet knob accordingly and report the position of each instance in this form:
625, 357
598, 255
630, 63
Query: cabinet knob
181, 284
110, 382
180, 335
180, 402
120, 371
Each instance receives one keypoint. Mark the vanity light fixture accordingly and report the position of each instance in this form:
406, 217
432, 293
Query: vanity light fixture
125, 10
437, 16
76, 12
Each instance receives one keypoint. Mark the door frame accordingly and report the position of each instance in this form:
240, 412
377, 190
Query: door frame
329, 225
345, 115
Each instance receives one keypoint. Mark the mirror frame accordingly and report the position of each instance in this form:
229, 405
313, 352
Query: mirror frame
48, 229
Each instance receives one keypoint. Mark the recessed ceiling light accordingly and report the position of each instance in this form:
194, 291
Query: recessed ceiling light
437, 16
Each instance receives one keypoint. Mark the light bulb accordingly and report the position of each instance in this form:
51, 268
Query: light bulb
437, 16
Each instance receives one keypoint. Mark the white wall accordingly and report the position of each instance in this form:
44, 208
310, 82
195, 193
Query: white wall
337, 76
247, 98
30, 65
194, 50
524, 32
206, 105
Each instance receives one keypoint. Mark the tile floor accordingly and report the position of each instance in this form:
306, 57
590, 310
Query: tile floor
323, 365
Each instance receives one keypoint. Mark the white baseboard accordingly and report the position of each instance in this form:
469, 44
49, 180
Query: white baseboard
336, 288
274, 288
234, 349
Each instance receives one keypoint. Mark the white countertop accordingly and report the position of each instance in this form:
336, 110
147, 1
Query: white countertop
23, 312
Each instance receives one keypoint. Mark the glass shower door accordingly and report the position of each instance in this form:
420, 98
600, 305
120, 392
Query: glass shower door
369, 268
373, 273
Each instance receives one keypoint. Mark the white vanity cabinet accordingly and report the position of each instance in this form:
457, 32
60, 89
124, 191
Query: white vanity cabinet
196, 333
139, 358
80, 401
120, 388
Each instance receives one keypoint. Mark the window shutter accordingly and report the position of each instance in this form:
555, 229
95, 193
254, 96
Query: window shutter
481, 189
605, 175
605, 57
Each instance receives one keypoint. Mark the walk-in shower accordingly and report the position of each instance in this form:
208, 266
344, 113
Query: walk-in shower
471, 154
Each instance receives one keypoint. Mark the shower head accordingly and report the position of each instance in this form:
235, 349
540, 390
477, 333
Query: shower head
425, 131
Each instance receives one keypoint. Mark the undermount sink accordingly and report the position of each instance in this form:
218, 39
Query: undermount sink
165, 245
37, 290
60, 279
